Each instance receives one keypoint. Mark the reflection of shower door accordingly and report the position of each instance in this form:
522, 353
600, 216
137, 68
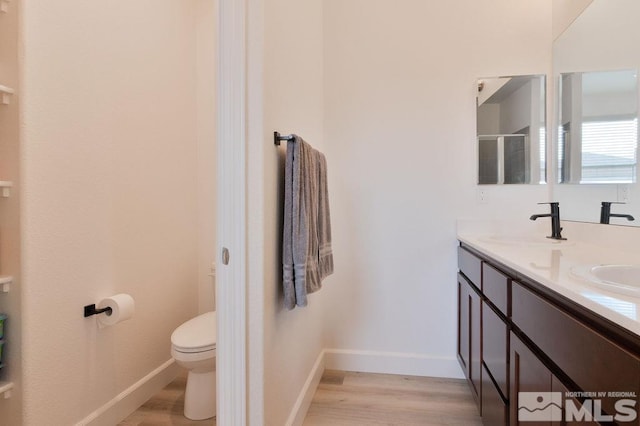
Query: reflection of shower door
503, 159
564, 154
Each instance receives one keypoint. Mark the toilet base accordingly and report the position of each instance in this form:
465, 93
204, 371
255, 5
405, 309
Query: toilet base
200, 396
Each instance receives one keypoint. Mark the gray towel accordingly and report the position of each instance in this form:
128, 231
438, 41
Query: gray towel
307, 257
325, 252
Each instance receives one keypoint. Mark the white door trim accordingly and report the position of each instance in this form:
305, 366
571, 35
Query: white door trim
231, 290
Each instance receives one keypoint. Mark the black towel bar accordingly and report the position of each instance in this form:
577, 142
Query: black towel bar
277, 137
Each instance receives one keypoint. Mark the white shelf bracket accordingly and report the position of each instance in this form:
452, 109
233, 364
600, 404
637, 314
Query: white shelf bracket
5, 389
5, 284
6, 188
5, 91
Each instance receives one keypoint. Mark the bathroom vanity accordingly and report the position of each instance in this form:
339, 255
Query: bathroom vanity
529, 322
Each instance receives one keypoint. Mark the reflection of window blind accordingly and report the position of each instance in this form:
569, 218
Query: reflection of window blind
628, 309
561, 151
609, 151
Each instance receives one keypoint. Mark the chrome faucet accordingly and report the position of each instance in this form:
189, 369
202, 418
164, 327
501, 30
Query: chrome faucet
555, 220
605, 213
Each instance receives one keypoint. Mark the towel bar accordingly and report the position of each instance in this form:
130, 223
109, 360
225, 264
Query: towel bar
277, 137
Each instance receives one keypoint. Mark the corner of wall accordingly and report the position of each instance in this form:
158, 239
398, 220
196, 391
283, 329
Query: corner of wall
127, 401
301, 407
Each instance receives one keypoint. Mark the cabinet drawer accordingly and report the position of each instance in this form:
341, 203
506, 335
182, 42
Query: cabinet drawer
593, 362
470, 266
494, 409
495, 286
495, 347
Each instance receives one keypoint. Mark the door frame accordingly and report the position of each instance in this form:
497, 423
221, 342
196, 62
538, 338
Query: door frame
231, 222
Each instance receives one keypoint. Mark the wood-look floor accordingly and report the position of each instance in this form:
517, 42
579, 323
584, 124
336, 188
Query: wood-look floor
349, 399
165, 408
346, 399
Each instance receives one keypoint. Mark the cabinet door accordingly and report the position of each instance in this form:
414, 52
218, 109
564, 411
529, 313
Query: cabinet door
464, 328
495, 348
469, 337
494, 408
528, 374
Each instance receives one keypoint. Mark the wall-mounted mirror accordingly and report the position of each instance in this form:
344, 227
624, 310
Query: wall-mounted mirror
511, 130
595, 59
598, 127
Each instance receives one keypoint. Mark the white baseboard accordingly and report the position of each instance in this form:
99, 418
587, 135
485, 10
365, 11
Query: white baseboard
300, 408
392, 363
133, 397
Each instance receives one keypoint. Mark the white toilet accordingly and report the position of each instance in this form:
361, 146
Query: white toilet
193, 346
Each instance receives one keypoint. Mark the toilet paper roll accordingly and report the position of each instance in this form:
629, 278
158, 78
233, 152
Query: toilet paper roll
122, 308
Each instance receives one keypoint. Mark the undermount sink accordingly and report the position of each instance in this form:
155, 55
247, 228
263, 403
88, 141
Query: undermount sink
526, 241
624, 279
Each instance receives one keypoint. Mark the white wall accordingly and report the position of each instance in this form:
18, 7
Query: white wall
109, 195
293, 103
565, 12
400, 86
488, 119
206, 27
515, 113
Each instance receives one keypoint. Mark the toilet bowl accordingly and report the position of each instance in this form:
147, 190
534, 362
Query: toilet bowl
193, 346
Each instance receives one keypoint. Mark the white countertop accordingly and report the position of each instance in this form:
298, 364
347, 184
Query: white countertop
552, 266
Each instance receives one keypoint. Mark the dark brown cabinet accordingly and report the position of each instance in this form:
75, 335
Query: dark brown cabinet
519, 343
495, 286
469, 328
495, 410
483, 335
531, 376
495, 355
528, 374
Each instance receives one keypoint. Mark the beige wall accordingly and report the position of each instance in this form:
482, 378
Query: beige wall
293, 103
206, 27
10, 409
565, 12
400, 86
109, 186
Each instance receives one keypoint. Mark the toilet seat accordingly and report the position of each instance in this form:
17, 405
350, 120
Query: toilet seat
195, 359
196, 335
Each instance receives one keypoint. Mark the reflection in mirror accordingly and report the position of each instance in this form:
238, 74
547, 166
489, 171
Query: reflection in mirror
511, 130
598, 127
604, 36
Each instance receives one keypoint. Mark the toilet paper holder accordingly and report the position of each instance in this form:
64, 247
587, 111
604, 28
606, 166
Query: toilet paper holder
90, 310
